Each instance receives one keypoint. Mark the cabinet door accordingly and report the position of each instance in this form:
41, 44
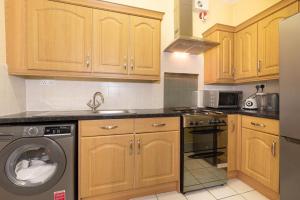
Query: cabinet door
110, 42
260, 157
157, 158
144, 46
246, 53
226, 59
268, 40
211, 61
59, 36
106, 164
232, 142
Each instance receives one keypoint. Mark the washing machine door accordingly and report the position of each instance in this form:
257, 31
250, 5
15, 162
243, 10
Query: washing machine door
31, 165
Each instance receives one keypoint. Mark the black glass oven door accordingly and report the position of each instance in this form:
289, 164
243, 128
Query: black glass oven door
204, 156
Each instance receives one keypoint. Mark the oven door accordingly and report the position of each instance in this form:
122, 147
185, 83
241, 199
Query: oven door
204, 157
229, 99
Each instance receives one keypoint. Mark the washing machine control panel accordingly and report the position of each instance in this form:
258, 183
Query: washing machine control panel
58, 130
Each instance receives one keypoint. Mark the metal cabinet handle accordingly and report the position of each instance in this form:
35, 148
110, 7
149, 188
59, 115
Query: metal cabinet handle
125, 63
88, 61
130, 147
258, 65
273, 149
132, 63
109, 127
258, 125
232, 127
138, 146
158, 124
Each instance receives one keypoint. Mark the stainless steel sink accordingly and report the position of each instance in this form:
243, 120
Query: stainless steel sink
111, 112
85, 113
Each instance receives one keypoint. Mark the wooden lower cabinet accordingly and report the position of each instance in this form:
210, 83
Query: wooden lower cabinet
157, 158
121, 163
106, 164
260, 157
232, 143
253, 153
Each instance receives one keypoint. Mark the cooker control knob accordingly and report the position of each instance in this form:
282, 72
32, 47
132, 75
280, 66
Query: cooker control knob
32, 131
192, 123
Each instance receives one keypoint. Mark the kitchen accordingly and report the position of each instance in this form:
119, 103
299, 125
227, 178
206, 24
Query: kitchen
95, 103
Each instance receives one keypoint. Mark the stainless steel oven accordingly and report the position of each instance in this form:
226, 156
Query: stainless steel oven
203, 150
222, 99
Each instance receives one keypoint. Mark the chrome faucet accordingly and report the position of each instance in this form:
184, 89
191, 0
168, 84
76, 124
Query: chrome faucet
94, 104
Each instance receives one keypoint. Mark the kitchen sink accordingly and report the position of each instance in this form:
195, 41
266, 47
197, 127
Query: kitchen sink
111, 112
85, 113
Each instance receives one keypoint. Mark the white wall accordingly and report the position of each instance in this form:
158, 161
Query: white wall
12, 89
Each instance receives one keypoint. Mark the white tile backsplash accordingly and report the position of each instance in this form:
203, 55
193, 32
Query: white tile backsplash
73, 95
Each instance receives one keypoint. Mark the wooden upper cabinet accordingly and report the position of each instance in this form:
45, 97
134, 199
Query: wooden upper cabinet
219, 61
82, 39
144, 46
268, 40
225, 70
110, 42
157, 158
106, 164
260, 157
211, 61
246, 53
58, 36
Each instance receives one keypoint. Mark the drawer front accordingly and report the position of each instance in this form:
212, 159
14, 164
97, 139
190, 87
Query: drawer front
261, 124
147, 125
106, 127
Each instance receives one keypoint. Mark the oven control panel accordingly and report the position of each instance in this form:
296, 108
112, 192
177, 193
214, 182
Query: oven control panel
204, 120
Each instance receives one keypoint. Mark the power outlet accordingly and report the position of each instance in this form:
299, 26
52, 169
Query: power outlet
47, 82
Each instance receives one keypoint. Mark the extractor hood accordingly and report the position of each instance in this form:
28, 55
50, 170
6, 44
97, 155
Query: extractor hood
184, 41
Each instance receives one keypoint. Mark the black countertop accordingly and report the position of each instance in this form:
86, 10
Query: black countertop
41, 117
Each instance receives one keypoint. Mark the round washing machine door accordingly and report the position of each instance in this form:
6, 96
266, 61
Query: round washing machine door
31, 165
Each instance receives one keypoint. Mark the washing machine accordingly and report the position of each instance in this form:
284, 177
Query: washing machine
37, 162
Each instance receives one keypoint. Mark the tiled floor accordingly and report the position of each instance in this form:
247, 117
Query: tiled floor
234, 190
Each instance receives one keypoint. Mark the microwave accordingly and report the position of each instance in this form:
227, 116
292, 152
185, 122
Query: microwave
222, 99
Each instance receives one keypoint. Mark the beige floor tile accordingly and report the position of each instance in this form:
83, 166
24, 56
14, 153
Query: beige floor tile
171, 196
237, 197
200, 195
221, 192
239, 186
254, 195
152, 197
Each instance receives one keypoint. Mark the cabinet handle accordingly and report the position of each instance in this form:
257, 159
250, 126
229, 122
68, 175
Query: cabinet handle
125, 63
132, 63
258, 125
158, 124
233, 71
232, 127
130, 147
138, 146
258, 65
109, 127
273, 149
88, 61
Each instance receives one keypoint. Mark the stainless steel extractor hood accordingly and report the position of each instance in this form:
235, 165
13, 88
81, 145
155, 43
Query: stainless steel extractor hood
184, 40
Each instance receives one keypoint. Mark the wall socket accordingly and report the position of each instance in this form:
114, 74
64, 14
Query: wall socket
47, 82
